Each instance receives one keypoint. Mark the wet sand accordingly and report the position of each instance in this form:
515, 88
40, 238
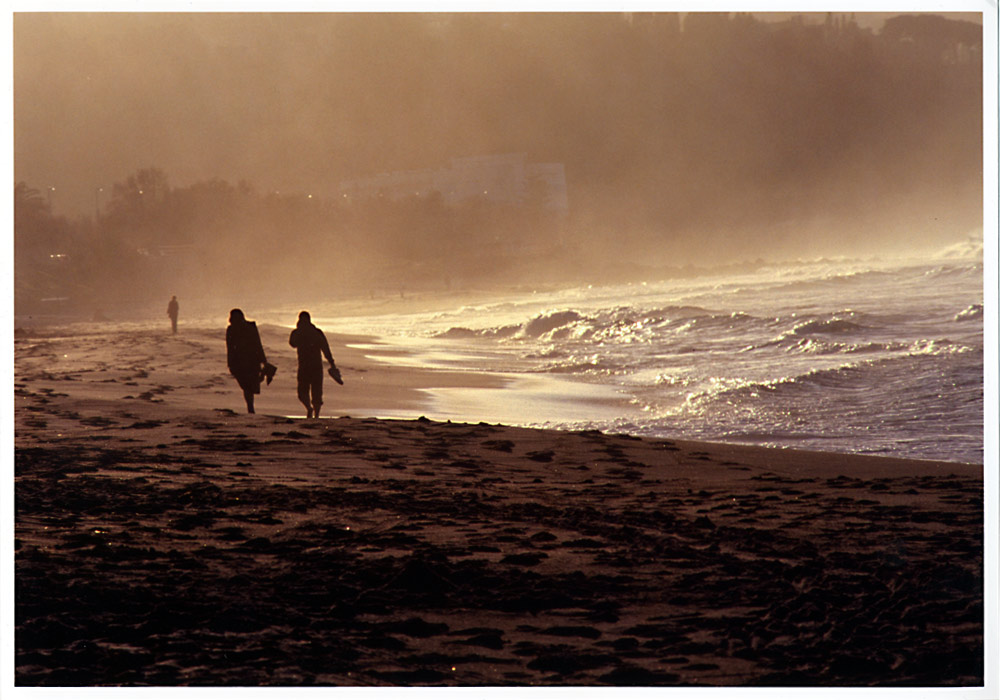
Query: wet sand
163, 537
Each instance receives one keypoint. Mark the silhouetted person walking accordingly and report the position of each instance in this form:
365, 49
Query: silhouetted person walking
172, 308
311, 345
245, 355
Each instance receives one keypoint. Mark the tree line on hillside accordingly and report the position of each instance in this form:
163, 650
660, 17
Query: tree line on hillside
213, 236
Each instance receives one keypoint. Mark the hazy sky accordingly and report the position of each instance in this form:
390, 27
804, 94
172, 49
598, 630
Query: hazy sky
251, 97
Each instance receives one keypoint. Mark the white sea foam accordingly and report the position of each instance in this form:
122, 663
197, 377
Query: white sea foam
883, 358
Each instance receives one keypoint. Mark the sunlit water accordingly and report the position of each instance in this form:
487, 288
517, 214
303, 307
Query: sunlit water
878, 358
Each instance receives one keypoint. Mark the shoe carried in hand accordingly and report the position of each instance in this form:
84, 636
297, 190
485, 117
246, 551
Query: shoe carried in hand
268, 372
335, 373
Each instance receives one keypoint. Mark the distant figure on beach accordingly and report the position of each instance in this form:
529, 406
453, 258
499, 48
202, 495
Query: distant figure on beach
311, 345
172, 308
245, 355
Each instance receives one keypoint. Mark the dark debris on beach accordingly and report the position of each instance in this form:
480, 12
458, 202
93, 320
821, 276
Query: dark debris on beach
482, 561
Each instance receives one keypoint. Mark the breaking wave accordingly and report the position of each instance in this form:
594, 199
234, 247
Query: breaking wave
855, 357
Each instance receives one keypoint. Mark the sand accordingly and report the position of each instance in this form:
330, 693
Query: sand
164, 537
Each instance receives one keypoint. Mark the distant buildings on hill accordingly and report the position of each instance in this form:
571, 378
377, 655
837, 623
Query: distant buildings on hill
505, 179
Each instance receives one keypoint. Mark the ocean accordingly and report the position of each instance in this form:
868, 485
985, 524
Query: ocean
875, 357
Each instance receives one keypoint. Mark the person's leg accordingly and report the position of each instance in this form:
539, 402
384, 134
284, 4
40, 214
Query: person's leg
317, 394
304, 397
248, 396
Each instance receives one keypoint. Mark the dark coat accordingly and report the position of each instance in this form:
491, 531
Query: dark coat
245, 354
311, 345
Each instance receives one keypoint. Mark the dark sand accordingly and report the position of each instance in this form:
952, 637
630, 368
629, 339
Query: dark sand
165, 538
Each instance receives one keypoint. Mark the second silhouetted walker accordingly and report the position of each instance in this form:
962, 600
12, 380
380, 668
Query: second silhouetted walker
311, 345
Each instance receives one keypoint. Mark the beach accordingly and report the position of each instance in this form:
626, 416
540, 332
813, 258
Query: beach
164, 537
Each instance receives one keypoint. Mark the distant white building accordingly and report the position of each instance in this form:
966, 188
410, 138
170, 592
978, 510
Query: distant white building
505, 178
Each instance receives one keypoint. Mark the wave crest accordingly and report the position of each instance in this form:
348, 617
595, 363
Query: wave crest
831, 325
972, 312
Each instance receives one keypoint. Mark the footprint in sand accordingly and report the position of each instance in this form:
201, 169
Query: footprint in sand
528, 559
499, 445
487, 638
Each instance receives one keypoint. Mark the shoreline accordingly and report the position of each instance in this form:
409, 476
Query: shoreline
188, 371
